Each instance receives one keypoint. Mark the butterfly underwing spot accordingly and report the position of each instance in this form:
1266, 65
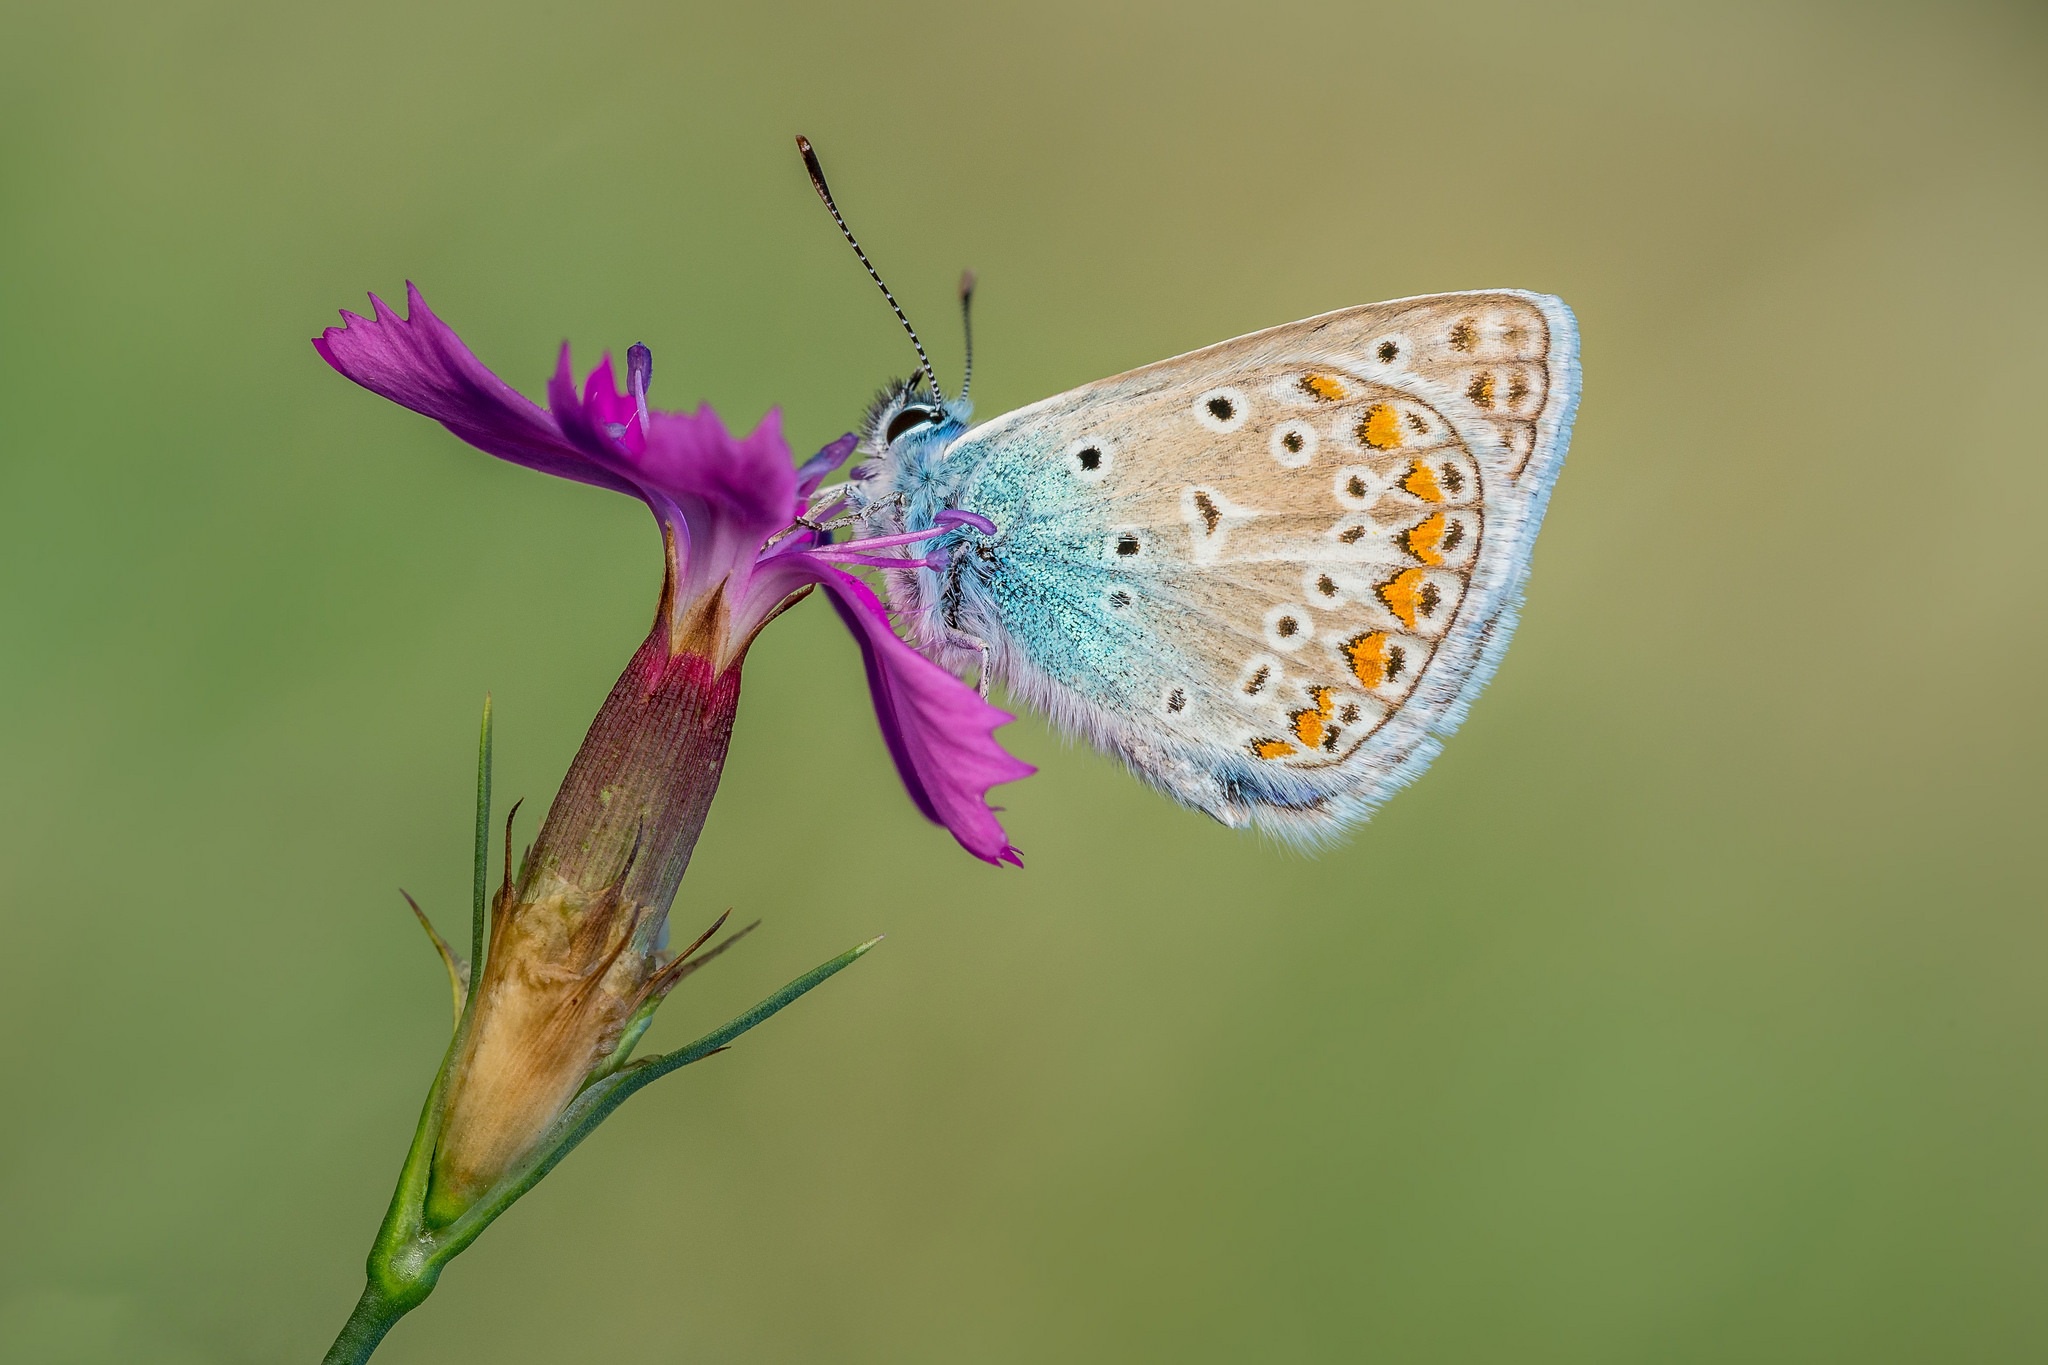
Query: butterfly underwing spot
1271, 748
1119, 599
1210, 518
1380, 427
1089, 459
1323, 388
1376, 659
1355, 531
1293, 444
1515, 391
1261, 673
1492, 335
1410, 596
1388, 351
1446, 479
1518, 391
1223, 410
1442, 539
1421, 599
1177, 700
1425, 539
1423, 483
1127, 543
1310, 723
1358, 487
1520, 440
1322, 588
1289, 627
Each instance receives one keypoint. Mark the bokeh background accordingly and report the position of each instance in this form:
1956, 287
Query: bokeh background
1691, 1008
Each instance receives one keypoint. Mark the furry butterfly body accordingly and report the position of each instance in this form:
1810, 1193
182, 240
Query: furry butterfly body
1269, 575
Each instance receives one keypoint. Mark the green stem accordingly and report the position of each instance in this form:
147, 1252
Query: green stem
374, 1315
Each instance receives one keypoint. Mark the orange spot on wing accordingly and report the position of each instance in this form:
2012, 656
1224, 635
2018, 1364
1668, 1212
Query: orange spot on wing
1321, 388
1421, 481
1271, 748
1403, 593
1426, 540
1310, 724
1368, 656
1380, 428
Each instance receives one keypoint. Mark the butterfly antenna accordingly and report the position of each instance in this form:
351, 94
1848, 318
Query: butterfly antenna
967, 329
803, 144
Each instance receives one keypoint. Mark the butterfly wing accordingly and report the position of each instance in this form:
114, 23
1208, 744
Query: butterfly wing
1270, 575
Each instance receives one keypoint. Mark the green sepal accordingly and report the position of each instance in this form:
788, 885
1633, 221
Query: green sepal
690, 962
629, 1038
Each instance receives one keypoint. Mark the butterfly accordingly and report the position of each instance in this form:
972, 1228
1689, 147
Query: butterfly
1269, 575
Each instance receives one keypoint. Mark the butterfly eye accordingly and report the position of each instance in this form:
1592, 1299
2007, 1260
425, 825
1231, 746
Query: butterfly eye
906, 419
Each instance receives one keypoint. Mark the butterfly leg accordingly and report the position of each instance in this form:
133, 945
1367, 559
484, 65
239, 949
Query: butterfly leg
861, 514
960, 639
855, 518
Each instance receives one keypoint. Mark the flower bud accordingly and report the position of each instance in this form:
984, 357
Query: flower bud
574, 947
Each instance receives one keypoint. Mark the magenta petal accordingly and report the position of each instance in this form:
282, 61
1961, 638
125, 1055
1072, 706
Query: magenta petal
418, 362
617, 413
583, 421
939, 730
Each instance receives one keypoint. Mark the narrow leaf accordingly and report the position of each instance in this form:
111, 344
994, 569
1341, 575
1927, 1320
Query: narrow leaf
458, 970
711, 1042
480, 885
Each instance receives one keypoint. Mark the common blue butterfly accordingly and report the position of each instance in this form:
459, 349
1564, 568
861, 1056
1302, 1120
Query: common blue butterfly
1269, 575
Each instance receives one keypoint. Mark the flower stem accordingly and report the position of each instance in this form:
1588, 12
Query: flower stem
374, 1314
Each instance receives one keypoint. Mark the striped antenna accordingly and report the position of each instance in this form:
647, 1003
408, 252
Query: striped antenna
967, 329
803, 144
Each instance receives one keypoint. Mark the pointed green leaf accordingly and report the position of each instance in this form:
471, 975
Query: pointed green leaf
480, 885
458, 970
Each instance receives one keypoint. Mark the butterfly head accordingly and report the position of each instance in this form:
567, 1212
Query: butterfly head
908, 417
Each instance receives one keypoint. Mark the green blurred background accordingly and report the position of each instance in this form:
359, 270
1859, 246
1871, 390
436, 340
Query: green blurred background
1691, 1008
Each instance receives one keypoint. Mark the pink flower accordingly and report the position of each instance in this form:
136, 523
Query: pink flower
740, 525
